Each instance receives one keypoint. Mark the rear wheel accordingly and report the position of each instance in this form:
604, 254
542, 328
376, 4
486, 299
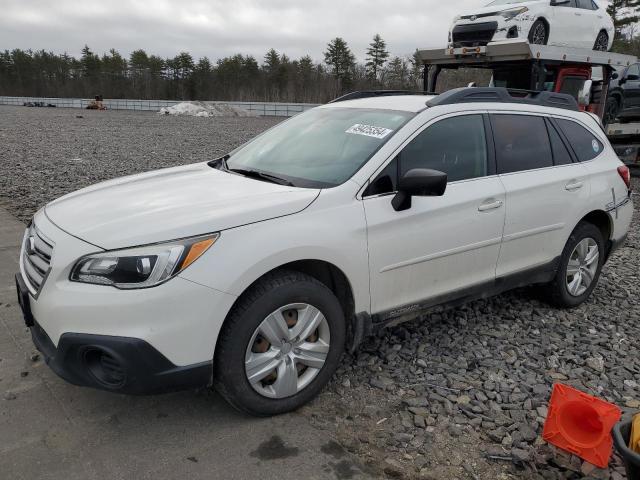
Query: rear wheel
280, 345
602, 42
539, 33
580, 266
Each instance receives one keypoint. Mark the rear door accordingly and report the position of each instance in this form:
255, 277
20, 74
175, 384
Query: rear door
591, 22
545, 190
565, 27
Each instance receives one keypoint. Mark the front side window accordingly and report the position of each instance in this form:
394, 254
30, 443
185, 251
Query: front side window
456, 146
634, 70
522, 143
323, 147
585, 145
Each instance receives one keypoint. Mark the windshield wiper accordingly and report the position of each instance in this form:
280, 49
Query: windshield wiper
260, 175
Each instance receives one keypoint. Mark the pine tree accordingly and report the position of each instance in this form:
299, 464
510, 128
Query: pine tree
377, 55
341, 61
624, 13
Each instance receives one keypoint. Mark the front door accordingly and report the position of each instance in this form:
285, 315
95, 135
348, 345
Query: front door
441, 244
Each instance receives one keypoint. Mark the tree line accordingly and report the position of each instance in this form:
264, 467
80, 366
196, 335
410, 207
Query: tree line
276, 78
239, 77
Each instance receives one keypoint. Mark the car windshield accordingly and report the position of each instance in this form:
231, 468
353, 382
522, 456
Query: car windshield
323, 147
506, 2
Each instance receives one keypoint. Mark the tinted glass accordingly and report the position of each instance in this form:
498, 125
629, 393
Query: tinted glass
522, 143
633, 70
585, 145
456, 146
586, 4
323, 147
561, 155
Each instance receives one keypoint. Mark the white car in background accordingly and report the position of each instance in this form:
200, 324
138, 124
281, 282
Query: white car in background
565, 23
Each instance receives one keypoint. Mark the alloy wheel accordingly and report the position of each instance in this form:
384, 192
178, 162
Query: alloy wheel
602, 43
287, 350
582, 267
539, 34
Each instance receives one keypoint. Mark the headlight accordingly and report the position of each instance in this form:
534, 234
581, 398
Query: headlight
141, 267
512, 13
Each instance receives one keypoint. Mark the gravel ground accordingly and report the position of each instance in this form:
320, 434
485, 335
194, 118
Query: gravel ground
461, 393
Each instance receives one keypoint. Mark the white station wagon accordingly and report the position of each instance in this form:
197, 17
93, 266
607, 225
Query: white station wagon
254, 272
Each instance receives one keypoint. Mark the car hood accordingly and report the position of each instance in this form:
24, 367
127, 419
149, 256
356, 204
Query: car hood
498, 8
170, 204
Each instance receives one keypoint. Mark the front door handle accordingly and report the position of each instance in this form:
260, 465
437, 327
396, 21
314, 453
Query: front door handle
573, 186
490, 205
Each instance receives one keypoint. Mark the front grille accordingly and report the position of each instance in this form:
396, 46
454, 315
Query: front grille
475, 35
37, 250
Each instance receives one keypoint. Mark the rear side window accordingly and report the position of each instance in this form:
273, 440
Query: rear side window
522, 143
585, 145
561, 155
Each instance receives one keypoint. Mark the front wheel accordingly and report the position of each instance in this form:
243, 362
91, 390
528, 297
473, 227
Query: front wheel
580, 266
280, 345
602, 42
539, 33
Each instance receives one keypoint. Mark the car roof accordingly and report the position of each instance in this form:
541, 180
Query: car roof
405, 103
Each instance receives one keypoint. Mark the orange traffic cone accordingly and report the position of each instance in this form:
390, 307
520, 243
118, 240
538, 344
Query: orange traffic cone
581, 424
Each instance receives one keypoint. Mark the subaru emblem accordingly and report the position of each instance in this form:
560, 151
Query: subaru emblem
473, 18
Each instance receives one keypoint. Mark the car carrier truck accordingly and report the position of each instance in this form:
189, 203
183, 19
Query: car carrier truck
519, 65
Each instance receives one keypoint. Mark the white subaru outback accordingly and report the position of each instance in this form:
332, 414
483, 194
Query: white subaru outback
254, 272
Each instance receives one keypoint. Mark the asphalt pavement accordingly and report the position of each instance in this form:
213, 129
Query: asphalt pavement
50, 429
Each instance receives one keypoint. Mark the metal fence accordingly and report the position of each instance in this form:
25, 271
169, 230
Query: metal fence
259, 108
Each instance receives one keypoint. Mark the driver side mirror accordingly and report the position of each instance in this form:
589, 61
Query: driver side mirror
418, 182
614, 76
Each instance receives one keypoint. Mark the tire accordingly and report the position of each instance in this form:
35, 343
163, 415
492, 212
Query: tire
559, 291
244, 327
602, 42
611, 111
539, 33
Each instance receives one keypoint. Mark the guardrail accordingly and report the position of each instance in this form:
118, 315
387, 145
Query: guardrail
259, 108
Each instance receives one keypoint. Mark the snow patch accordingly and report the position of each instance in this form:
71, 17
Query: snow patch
206, 109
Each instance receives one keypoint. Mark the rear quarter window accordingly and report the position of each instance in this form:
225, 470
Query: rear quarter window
585, 145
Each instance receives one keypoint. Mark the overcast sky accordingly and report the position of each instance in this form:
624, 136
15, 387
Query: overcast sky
216, 28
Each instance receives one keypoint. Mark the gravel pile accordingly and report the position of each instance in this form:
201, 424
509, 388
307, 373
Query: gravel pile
47, 153
464, 392
206, 109
460, 394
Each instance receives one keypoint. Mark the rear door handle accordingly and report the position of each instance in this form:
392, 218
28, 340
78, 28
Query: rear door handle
490, 205
573, 186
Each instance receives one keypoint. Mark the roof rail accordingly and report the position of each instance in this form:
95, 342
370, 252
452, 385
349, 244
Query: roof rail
504, 95
376, 93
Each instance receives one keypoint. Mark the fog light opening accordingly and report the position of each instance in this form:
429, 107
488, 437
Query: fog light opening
104, 368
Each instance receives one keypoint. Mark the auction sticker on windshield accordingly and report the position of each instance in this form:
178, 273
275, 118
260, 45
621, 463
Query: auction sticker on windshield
369, 131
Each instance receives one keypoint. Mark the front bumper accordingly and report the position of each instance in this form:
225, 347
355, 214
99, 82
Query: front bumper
117, 364
478, 33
